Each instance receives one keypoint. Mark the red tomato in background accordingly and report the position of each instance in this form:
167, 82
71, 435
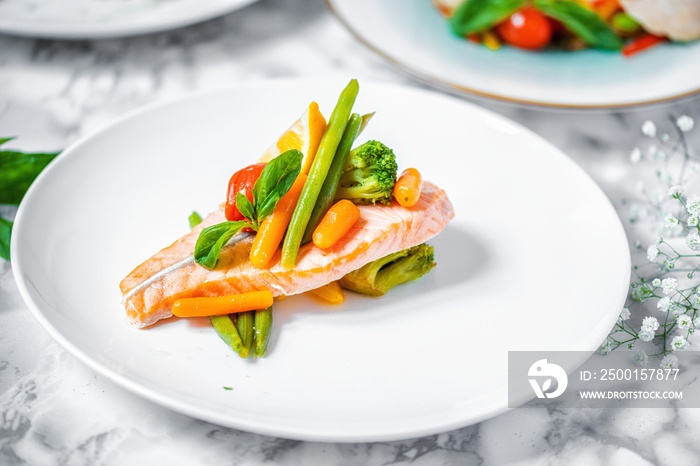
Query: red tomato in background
528, 29
241, 182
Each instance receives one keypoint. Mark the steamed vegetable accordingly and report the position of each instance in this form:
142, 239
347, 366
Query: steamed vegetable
245, 324
369, 174
336, 223
378, 277
262, 327
222, 305
226, 329
331, 293
317, 174
408, 187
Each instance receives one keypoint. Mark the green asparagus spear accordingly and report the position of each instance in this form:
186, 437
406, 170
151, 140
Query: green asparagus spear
317, 173
226, 329
330, 185
263, 327
244, 324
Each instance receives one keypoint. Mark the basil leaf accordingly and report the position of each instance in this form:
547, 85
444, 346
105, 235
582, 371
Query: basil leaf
478, 15
245, 207
212, 240
5, 234
583, 22
194, 219
274, 182
17, 172
4, 140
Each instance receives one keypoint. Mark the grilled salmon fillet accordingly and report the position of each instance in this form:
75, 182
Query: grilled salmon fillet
149, 291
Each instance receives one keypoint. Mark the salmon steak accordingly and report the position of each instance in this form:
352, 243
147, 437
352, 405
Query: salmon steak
150, 290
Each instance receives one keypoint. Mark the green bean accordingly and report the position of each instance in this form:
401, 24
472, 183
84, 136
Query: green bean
317, 173
330, 185
244, 324
263, 328
227, 331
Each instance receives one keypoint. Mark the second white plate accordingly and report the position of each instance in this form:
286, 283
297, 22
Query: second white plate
535, 259
414, 37
90, 19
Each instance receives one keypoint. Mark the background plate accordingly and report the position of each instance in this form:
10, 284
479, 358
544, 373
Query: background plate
91, 19
536, 259
412, 35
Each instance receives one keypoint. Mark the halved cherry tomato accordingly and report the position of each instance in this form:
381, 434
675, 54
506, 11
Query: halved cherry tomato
241, 182
527, 28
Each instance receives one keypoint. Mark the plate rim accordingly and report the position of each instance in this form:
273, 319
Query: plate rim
266, 428
122, 29
461, 90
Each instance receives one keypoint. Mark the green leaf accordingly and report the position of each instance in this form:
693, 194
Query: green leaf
583, 22
212, 240
245, 207
5, 234
17, 172
479, 15
194, 219
274, 182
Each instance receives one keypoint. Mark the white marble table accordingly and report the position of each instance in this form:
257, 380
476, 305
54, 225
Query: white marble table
54, 410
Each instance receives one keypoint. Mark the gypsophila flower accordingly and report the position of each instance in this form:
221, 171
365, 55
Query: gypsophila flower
646, 335
652, 253
668, 285
696, 322
641, 358
636, 155
693, 221
685, 123
656, 282
665, 137
624, 314
650, 323
649, 129
684, 321
695, 301
664, 304
693, 241
659, 240
693, 205
606, 347
676, 191
669, 362
670, 264
670, 221
679, 343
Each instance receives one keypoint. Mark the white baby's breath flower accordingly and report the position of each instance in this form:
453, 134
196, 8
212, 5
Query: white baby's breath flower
652, 153
665, 137
695, 301
676, 191
650, 323
664, 304
669, 362
685, 123
684, 321
696, 323
656, 282
679, 343
641, 358
693, 221
652, 253
606, 347
693, 241
646, 335
670, 221
693, 205
649, 129
668, 285
636, 155
670, 264
659, 240
625, 314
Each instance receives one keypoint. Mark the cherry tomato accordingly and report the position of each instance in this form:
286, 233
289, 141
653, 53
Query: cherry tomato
527, 28
241, 182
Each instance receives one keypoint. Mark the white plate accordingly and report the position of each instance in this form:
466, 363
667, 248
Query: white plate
413, 36
536, 259
93, 19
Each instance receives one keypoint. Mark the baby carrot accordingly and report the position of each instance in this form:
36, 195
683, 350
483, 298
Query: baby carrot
221, 305
272, 229
337, 221
408, 187
331, 293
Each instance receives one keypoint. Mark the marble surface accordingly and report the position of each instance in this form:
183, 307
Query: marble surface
54, 410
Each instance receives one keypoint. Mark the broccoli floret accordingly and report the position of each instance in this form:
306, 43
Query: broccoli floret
369, 174
378, 277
